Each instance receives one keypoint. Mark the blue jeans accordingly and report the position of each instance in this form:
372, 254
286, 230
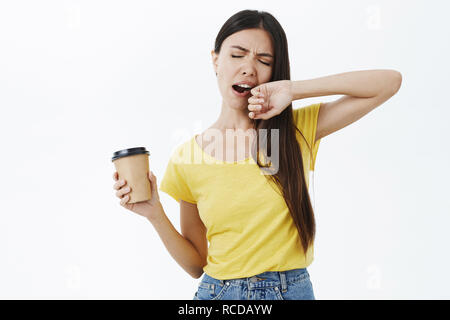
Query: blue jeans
271, 285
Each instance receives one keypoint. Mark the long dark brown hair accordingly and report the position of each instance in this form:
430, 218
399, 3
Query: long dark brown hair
290, 176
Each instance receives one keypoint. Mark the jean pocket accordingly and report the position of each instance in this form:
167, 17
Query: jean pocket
298, 289
210, 291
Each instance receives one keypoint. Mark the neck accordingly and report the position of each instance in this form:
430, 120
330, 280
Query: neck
233, 118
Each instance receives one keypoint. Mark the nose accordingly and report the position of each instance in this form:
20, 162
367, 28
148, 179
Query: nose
249, 69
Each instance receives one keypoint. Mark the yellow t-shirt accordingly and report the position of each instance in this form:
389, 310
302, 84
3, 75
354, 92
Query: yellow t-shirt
249, 227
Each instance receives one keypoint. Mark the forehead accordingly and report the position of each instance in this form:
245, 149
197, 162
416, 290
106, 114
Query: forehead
256, 40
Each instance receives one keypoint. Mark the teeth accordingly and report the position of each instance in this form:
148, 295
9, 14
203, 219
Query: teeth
244, 85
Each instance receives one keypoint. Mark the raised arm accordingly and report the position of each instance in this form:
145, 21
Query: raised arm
363, 91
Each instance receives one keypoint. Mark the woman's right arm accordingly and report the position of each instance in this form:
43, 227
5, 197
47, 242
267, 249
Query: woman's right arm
179, 247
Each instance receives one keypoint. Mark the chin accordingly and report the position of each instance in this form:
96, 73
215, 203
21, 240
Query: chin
236, 103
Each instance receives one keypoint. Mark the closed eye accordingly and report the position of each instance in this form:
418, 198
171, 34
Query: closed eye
267, 64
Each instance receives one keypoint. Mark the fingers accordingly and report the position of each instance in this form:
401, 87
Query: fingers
256, 110
152, 179
119, 184
256, 100
271, 112
124, 200
151, 175
253, 115
123, 191
256, 106
256, 92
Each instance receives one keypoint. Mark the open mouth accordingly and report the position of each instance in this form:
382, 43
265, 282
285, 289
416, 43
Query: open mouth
241, 89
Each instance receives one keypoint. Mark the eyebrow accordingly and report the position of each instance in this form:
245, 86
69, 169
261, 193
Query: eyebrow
258, 54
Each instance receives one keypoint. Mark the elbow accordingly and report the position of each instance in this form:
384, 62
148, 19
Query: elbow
396, 81
197, 275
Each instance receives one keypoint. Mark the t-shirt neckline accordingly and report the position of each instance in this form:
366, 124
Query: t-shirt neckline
248, 159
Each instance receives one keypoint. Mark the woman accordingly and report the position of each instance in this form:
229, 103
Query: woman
255, 211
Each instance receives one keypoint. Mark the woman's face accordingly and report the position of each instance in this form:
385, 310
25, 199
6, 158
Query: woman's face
247, 56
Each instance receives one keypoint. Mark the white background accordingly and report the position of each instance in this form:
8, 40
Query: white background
82, 79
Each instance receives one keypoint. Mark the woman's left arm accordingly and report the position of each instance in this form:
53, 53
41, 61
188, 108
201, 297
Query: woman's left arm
363, 91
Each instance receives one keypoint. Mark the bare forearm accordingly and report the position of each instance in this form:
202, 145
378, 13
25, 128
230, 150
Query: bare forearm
181, 249
363, 84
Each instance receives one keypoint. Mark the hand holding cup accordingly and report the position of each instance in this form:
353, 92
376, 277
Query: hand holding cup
135, 183
150, 208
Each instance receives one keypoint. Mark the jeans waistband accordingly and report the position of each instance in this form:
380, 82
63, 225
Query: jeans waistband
265, 279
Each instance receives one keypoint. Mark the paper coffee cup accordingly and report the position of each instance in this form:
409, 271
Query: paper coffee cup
132, 165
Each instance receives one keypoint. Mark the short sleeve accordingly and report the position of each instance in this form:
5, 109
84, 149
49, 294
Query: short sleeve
306, 121
174, 182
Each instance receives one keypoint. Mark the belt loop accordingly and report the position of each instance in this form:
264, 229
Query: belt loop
283, 281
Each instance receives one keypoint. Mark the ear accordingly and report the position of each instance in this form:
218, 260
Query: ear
214, 57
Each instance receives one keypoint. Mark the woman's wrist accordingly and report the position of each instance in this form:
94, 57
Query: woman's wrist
156, 213
298, 89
